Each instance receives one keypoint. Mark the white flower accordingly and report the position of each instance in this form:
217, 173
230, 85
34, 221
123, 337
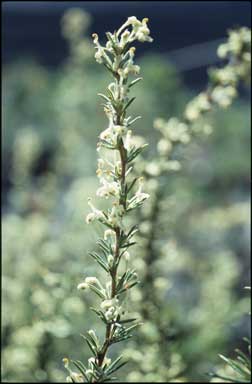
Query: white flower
109, 45
108, 233
142, 31
226, 76
107, 304
164, 146
112, 308
110, 260
117, 210
126, 255
159, 124
128, 140
82, 286
104, 169
90, 217
134, 21
106, 361
131, 68
91, 280
235, 42
140, 196
65, 362
108, 189
112, 312
203, 102
107, 134
95, 214
192, 112
95, 38
142, 35
119, 129
101, 163
153, 168
98, 56
222, 51
92, 333
223, 95
109, 314
91, 360
174, 130
124, 38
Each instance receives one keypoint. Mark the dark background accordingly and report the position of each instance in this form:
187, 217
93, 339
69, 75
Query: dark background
187, 31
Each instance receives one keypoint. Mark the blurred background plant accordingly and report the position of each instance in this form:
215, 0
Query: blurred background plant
156, 250
238, 369
51, 120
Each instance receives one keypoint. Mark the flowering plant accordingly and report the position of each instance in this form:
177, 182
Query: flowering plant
220, 93
115, 164
240, 366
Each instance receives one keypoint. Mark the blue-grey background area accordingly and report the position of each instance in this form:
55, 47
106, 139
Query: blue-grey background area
188, 32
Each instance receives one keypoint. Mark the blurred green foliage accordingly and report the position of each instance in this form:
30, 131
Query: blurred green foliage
51, 120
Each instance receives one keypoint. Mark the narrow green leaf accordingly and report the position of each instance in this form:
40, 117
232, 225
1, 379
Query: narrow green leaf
104, 97
118, 367
128, 287
99, 260
128, 104
90, 345
97, 291
133, 121
111, 96
131, 185
135, 81
126, 321
113, 365
110, 69
100, 314
80, 368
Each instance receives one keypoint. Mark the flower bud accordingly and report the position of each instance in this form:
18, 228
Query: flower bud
82, 286
126, 255
110, 260
91, 280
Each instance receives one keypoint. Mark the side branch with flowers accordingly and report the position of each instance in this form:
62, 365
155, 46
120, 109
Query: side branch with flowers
115, 165
221, 91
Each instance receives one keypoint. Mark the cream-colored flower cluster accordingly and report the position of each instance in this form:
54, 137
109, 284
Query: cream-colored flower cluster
224, 81
132, 30
235, 44
238, 50
118, 57
221, 92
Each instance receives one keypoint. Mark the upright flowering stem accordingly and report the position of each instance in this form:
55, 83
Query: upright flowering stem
220, 93
117, 153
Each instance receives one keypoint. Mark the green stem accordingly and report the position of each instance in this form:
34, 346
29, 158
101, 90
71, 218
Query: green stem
113, 273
